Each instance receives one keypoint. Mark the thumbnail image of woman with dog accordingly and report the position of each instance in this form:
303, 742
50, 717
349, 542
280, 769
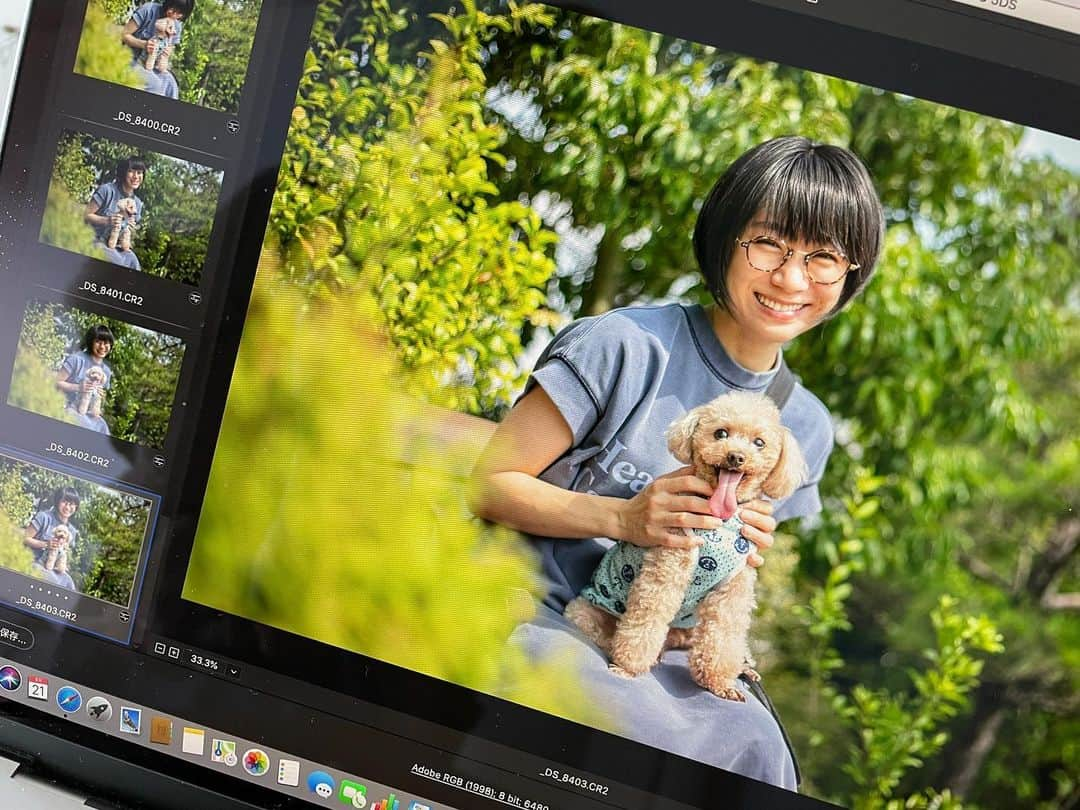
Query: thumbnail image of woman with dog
786, 238
152, 33
51, 537
84, 378
114, 212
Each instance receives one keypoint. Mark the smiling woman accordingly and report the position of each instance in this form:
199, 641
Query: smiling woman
788, 235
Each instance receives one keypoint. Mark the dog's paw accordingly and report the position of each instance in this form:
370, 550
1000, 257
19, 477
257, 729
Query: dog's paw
729, 693
751, 674
619, 672
725, 688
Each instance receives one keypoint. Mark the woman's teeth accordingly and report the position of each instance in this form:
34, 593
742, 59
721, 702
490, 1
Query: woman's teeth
777, 305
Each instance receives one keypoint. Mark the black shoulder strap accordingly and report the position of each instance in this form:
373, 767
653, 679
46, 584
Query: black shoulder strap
758, 691
783, 383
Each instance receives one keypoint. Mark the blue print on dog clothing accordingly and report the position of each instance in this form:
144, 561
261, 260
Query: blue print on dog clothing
720, 557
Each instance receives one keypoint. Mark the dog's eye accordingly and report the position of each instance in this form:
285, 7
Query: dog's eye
720, 434
759, 442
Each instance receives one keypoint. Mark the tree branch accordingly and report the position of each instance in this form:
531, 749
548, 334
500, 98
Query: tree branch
1060, 547
1052, 600
981, 570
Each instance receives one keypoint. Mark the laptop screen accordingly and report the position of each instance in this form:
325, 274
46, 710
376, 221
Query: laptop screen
427, 404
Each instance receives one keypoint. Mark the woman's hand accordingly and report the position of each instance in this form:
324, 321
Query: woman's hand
116, 220
151, 46
657, 515
758, 529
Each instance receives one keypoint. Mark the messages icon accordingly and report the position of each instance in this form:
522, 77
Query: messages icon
321, 784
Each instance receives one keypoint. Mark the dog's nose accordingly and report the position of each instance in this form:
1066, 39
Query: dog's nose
736, 459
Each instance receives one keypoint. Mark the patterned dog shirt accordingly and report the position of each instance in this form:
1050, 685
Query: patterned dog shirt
720, 557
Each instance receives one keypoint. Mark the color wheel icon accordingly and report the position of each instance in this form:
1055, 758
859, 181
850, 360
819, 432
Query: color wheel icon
68, 699
10, 679
256, 762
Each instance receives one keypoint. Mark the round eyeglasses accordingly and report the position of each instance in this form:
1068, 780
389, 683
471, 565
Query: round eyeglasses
769, 253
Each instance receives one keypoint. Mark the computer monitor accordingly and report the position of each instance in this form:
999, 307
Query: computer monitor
426, 404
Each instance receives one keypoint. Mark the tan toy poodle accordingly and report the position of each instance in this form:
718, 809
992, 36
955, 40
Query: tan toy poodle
120, 235
642, 601
56, 559
90, 401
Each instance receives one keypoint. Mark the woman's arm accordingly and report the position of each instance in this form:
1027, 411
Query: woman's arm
63, 383
32, 542
127, 36
94, 219
532, 437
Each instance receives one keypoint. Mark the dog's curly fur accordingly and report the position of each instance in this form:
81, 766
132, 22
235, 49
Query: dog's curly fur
90, 401
120, 235
718, 643
164, 30
56, 559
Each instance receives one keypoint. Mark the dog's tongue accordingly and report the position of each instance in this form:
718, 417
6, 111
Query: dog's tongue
723, 503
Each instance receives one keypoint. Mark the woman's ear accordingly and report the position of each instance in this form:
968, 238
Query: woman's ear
680, 436
790, 470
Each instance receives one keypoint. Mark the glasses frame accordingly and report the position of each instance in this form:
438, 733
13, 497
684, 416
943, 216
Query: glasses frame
806, 254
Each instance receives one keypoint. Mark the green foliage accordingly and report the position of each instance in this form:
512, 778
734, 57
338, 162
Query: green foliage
180, 203
14, 555
895, 732
369, 545
101, 53
386, 184
146, 368
62, 223
211, 62
111, 528
419, 144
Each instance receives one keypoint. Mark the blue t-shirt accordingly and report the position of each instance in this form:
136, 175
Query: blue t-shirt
44, 525
106, 198
145, 17
620, 379
76, 365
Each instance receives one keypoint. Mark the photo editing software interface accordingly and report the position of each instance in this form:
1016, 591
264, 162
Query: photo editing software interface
368, 367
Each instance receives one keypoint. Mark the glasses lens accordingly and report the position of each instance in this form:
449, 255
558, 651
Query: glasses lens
765, 254
827, 267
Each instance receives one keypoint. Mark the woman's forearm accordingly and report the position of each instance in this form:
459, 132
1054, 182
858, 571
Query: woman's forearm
523, 502
133, 41
35, 544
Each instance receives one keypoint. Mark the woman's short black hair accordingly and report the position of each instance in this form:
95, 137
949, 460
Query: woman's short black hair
66, 494
129, 164
96, 333
185, 7
806, 191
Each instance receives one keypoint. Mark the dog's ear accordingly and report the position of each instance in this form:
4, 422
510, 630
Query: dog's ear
790, 470
680, 436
